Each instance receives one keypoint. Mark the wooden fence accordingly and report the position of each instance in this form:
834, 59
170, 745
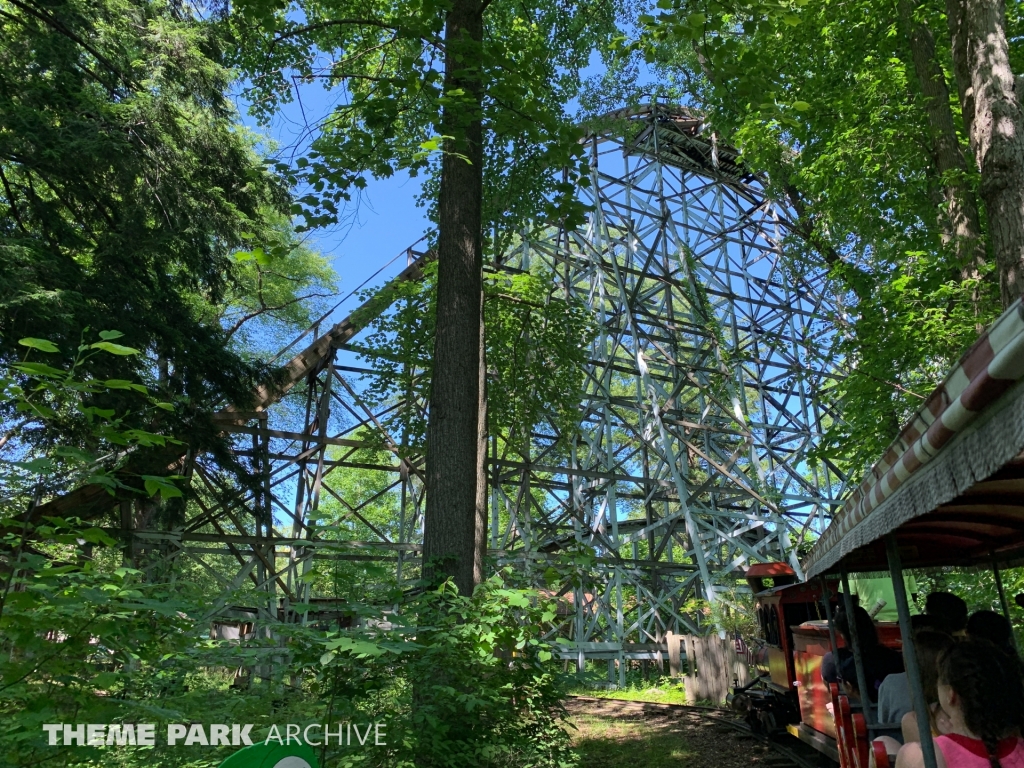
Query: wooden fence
713, 666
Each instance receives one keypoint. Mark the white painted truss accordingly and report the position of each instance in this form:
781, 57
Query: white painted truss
702, 399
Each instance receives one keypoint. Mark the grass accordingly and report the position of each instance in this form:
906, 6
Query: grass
604, 742
666, 690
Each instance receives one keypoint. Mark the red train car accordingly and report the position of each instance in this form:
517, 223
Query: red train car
789, 692
949, 491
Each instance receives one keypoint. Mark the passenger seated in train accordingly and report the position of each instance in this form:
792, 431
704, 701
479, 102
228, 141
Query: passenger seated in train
930, 646
924, 621
992, 626
879, 661
895, 704
850, 684
848, 672
981, 693
948, 609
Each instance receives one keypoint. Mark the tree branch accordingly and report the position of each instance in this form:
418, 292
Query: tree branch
45, 659
349, 23
515, 300
56, 25
13, 431
14, 212
246, 318
894, 385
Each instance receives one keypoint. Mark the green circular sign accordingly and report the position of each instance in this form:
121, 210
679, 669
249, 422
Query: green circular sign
272, 756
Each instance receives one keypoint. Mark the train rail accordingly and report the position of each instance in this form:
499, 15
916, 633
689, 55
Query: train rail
788, 751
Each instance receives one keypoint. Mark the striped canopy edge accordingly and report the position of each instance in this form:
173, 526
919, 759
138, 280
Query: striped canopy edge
970, 426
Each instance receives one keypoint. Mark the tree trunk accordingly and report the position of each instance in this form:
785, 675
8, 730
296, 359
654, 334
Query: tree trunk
961, 72
480, 541
961, 227
449, 524
995, 123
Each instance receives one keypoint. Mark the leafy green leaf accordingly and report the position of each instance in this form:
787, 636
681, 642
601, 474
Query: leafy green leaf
96, 536
114, 349
41, 344
358, 648
38, 369
71, 452
94, 411
105, 480
35, 466
124, 384
106, 680
160, 485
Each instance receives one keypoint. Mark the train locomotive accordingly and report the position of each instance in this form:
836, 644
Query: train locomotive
788, 692
948, 491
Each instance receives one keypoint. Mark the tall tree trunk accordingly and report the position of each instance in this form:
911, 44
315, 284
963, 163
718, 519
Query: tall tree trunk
961, 226
961, 71
449, 524
480, 542
995, 123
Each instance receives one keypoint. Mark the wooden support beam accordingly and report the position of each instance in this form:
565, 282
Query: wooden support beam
88, 501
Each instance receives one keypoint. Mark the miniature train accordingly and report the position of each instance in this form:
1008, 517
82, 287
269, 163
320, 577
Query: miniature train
948, 491
788, 692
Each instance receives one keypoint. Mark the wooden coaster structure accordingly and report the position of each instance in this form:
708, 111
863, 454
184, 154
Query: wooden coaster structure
702, 399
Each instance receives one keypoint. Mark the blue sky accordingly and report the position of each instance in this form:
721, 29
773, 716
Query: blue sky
381, 223
385, 220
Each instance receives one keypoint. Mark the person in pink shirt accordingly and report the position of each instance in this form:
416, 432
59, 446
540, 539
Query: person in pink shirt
982, 694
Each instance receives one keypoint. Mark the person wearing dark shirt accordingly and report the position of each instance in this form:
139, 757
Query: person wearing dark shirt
992, 626
879, 661
949, 610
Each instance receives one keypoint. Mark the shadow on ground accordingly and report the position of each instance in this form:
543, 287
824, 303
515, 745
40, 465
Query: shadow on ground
610, 736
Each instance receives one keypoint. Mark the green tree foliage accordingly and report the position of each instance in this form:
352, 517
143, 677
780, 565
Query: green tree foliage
483, 695
977, 587
125, 186
279, 284
536, 349
55, 401
69, 622
370, 510
385, 63
825, 100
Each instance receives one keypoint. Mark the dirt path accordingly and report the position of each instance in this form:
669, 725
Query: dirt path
612, 735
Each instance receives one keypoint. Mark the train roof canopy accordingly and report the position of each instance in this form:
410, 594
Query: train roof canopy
951, 486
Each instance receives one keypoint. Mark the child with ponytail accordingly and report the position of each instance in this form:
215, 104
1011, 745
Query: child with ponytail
981, 692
